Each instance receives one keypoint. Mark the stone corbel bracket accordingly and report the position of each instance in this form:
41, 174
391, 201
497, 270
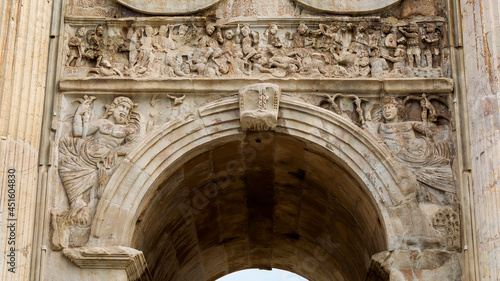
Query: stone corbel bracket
259, 104
117, 257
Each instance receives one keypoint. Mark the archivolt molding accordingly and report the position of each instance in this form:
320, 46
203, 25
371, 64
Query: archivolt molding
159, 153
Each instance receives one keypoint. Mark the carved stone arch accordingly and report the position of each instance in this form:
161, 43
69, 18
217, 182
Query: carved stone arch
389, 182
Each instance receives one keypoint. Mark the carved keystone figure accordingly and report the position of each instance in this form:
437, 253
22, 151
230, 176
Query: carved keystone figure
259, 105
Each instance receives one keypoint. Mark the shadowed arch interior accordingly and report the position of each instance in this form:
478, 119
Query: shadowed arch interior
269, 200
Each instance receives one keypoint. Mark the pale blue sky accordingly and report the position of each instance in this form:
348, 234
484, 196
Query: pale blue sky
262, 275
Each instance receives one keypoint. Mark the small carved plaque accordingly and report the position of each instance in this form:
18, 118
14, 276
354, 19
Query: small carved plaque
259, 107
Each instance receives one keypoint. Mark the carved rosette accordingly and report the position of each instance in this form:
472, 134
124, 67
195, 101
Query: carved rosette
259, 105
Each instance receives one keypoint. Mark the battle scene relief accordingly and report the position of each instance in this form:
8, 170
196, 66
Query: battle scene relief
340, 47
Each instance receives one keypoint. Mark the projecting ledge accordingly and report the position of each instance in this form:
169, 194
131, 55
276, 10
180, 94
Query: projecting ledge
128, 263
208, 85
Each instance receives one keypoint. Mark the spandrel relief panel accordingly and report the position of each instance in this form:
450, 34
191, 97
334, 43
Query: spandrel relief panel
94, 135
417, 129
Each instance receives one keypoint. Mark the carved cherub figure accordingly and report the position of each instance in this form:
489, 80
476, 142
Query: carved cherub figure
76, 46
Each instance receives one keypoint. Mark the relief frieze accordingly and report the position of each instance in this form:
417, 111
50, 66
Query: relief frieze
337, 47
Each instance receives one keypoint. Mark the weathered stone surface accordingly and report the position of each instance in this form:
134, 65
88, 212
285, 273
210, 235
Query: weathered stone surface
348, 7
313, 47
481, 56
256, 134
168, 7
259, 105
24, 40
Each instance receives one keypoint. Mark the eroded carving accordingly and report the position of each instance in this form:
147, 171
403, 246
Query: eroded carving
447, 220
259, 105
365, 47
420, 142
76, 46
87, 159
414, 143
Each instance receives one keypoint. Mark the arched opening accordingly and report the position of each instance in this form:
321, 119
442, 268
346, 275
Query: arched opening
262, 275
268, 200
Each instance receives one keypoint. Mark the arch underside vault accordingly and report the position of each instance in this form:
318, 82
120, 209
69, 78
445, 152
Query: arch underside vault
266, 200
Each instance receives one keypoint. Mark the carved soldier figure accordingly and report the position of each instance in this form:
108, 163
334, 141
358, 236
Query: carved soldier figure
387, 37
207, 39
146, 56
247, 42
413, 51
331, 39
228, 39
300, 38
96, 44
76, 46
378, 64
85, 162
398, 68
431, 38
272, 38
360, 40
